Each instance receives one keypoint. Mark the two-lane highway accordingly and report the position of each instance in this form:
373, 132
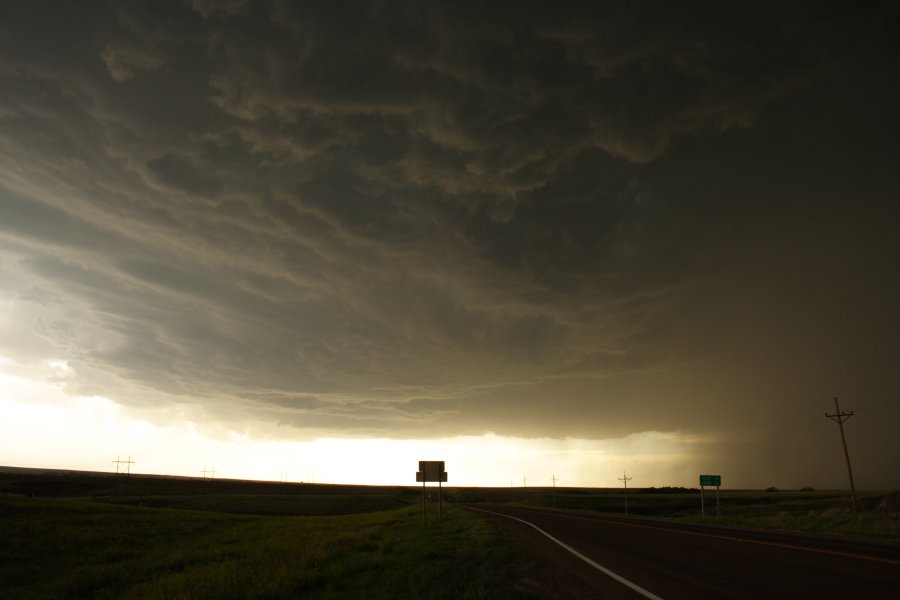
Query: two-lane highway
621, 558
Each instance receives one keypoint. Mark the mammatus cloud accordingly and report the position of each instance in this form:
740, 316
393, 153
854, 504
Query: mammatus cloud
400, 221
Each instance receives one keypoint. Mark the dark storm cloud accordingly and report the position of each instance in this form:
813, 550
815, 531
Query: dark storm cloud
183, 174
396, 219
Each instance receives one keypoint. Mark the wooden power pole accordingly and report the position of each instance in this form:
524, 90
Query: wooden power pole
624, 479
127, 472
839, 418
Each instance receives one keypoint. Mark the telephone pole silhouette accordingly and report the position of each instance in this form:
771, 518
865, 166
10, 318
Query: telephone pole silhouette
208, 475
118, 462
839, 418
625, 480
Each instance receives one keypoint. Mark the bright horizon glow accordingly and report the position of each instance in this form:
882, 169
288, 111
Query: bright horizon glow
44, 427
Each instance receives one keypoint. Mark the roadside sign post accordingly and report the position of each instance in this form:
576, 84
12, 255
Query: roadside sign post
431, 470
717, 502
709, 480
702, 507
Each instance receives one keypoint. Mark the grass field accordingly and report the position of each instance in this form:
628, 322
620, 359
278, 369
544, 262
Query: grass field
87, 535
284, 505
808, 511
84, 549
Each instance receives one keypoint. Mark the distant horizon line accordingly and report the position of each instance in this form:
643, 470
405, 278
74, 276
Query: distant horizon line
36, 470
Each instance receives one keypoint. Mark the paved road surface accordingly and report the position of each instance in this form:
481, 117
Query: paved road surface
675, 561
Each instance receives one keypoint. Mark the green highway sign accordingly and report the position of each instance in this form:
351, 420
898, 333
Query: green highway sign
710, 480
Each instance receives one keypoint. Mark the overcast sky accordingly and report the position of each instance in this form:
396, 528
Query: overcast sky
415, 220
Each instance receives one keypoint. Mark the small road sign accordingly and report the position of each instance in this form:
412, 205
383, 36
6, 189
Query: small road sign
431, 470
711, 480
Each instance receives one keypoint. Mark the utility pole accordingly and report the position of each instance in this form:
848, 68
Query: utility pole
118, 462
554, 490
839, 418
208, 475
625, 480
127, 464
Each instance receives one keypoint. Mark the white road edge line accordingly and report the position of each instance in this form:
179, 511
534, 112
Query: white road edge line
597, 566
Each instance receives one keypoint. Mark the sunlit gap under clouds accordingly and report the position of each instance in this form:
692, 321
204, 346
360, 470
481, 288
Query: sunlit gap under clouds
47, 428
290, 237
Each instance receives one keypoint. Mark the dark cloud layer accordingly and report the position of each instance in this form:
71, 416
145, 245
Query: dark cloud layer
393, 219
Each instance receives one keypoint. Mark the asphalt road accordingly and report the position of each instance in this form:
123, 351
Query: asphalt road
675, 561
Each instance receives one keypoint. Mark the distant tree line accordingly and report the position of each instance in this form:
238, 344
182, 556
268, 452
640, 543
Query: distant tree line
669, 490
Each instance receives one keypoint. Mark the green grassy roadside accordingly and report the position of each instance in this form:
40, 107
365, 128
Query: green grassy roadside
82, 549
284, 505
818, 512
